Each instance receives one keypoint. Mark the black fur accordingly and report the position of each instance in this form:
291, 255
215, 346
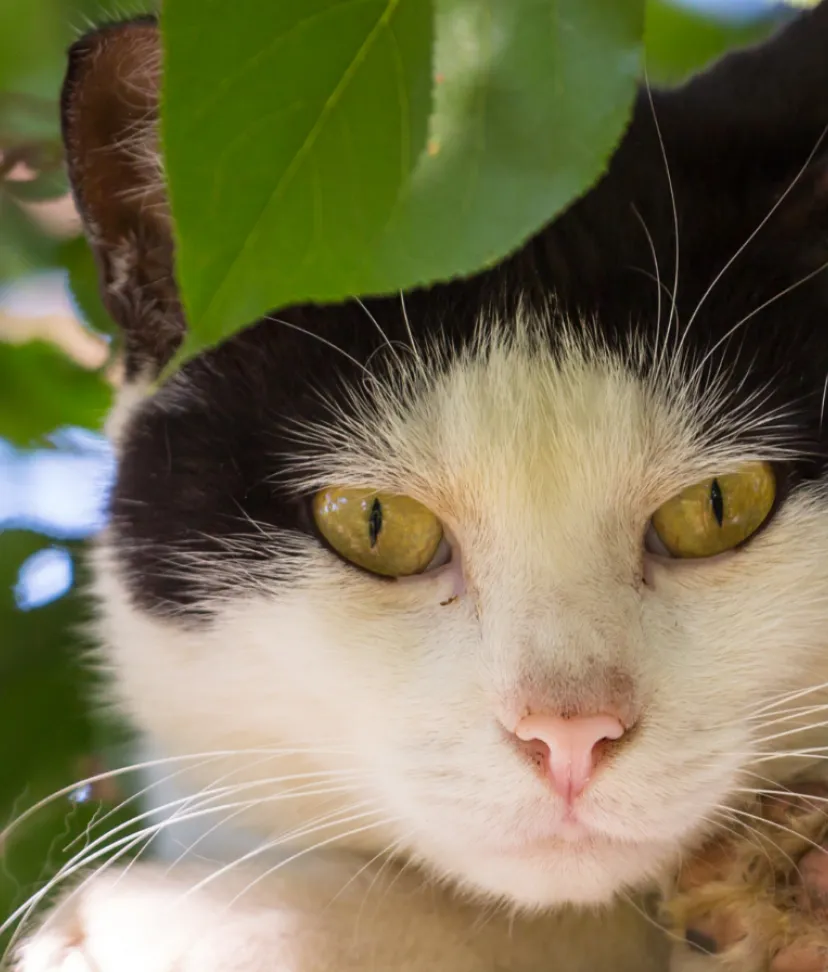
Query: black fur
735, 139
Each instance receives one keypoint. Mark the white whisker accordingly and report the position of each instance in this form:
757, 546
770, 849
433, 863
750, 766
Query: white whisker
414, 348
798, 713
740, 831
761, 840
661, 352
658, 283
756, 310
326, 342
270, 845
383, 335
389, 852
753, 235
779, 826
786, 697
207, 757
84, 857
791, 732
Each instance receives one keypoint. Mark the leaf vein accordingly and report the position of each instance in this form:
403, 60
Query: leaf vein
306, 147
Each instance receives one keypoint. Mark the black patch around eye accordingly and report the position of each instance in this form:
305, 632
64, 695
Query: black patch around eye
206, 465
717, 501
375, 522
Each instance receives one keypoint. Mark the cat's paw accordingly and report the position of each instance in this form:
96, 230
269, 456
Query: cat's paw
67, 937
112, 923
757, 901
56, 949
141, 920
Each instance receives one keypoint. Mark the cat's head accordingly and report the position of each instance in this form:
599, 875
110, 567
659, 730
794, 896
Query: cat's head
514, 445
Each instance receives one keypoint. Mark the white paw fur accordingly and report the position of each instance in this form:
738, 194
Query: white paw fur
146, 919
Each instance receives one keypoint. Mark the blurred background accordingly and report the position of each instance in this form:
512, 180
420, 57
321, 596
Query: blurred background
58, 367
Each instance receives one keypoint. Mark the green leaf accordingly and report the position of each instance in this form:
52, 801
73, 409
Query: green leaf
41, 389
343, 161
76, 257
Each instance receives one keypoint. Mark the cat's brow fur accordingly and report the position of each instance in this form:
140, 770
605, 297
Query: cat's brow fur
669, 326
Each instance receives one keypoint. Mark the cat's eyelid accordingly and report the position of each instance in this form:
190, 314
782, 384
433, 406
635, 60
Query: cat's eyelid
653, 543
442, 556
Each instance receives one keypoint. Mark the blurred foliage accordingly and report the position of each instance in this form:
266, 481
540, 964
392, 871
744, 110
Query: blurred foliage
50, 736
679, 42
54, 389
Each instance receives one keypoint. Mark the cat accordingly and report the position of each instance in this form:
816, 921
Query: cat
485, 607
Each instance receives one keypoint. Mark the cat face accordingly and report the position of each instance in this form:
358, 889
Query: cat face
538, 417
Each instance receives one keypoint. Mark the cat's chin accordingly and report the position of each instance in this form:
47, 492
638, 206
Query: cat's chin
590, 870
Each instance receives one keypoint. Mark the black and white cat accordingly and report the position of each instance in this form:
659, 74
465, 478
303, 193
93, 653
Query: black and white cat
488, 605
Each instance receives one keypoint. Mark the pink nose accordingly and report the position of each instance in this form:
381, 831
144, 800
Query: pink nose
566, 747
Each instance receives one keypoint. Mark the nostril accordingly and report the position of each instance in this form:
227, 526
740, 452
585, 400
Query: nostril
602, 749
537, 750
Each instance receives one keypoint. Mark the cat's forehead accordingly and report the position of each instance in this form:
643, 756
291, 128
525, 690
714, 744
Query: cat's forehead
530, 413
529, 427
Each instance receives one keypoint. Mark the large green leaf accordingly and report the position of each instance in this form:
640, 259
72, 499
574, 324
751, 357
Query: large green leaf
41, 389
315, 150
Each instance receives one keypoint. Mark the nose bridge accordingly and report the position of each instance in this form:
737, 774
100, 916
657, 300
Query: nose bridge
561, 617
570, 691
581, 625
550, 519
567, 652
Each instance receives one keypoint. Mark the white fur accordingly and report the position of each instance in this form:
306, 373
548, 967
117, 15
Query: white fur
545, 469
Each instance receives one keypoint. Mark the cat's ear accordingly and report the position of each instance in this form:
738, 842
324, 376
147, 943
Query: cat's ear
109, 113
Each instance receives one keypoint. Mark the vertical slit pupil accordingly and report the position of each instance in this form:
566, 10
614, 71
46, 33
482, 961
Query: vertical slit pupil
375, 522
717, 501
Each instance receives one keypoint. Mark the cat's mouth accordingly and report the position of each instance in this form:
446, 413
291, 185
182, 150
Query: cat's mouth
571, 864
568, 834
572, 830
564, 834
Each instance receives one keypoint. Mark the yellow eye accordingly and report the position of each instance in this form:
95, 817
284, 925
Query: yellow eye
387, 534
717, 514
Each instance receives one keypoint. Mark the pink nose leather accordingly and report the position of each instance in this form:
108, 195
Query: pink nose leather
571, 744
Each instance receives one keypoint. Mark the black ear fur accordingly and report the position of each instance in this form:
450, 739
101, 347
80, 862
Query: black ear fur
109, 115
769, 100
758, 118
724, 148
755, 127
